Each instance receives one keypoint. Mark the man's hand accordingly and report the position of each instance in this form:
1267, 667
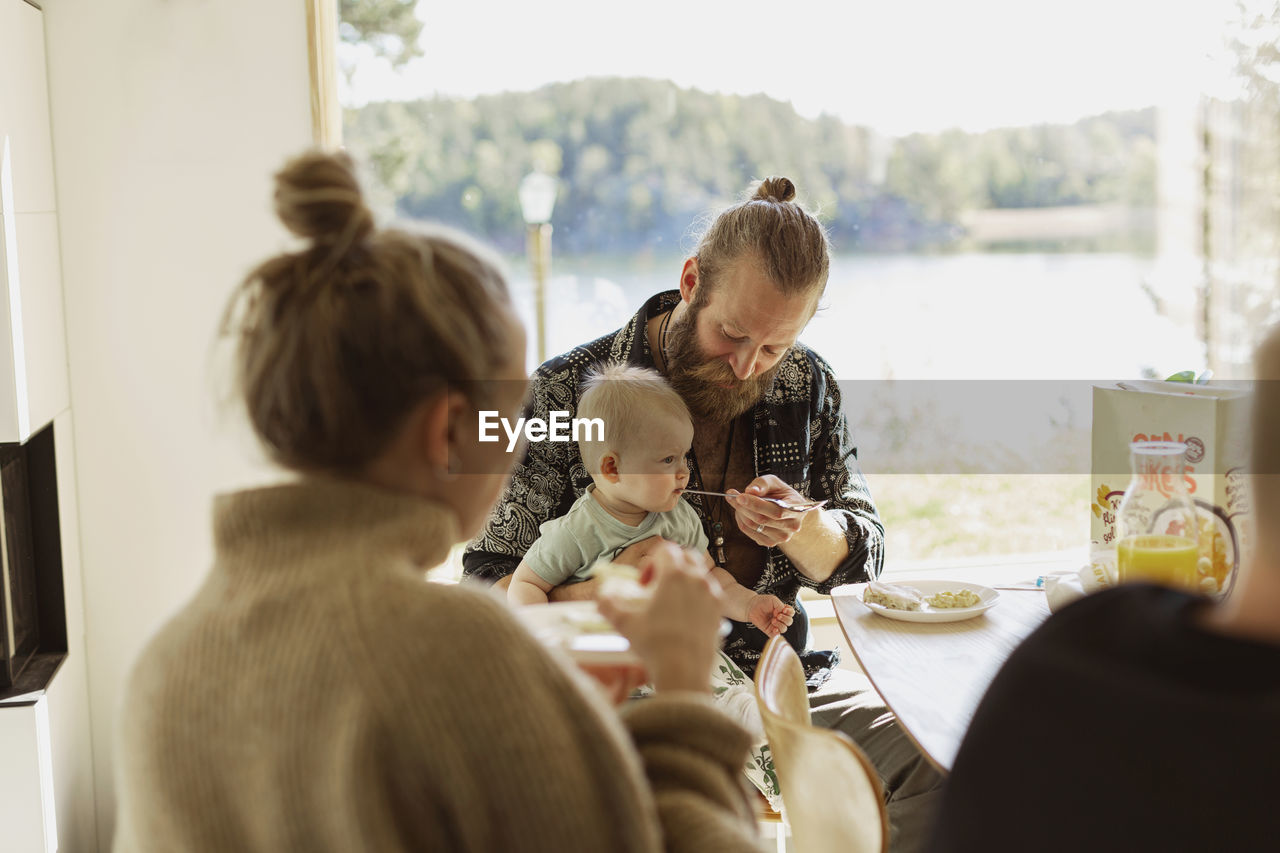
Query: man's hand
813, 540
769, 614
581, 591
764, 522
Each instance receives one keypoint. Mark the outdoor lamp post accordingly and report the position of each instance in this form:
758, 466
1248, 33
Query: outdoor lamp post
537, 198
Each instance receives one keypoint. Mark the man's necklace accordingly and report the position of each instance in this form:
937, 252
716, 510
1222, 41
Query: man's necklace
715, 510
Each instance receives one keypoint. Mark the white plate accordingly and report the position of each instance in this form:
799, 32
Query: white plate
986, 594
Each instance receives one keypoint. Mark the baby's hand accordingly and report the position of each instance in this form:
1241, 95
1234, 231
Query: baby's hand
769, 614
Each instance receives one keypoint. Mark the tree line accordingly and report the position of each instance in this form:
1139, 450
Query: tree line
638, 160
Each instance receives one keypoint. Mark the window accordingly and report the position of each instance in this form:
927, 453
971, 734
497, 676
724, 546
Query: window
1020, 202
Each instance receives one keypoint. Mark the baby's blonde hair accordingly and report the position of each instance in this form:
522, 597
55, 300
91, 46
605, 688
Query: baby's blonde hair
627, 399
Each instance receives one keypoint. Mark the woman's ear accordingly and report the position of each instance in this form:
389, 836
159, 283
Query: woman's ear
609, 467
440, 424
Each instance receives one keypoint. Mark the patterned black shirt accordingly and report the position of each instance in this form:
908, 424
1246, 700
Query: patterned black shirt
800, 435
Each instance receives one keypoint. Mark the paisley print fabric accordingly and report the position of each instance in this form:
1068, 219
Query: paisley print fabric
801, 436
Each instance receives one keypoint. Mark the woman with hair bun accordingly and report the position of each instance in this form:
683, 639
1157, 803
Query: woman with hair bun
316, 694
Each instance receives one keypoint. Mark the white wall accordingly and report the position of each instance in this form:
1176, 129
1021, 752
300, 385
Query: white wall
168, 118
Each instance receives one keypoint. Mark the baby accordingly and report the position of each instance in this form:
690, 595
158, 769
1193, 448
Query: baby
638, 470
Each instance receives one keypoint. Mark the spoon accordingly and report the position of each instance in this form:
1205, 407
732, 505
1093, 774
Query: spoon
801, 507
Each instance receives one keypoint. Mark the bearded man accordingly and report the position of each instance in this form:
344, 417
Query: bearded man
768, 423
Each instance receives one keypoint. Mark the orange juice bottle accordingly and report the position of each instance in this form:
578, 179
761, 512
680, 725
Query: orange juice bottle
1156, 521
1158, 558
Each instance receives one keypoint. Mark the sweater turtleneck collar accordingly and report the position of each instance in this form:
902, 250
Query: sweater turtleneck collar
314, 516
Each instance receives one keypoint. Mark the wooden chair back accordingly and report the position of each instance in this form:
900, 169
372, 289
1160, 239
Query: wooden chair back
831, 792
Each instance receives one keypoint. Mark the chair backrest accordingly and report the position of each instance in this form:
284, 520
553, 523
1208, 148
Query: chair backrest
831, 792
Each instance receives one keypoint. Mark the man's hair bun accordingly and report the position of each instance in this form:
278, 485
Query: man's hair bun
318, 197
775, 188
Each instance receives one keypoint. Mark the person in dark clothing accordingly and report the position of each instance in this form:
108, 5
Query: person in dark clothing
768, 423
1139, 718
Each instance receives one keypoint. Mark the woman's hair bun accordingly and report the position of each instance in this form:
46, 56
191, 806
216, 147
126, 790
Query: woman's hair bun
318, 197
775, 188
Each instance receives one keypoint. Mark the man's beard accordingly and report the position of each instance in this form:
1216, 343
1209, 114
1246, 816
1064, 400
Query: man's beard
697, 378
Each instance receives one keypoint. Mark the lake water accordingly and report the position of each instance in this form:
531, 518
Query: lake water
957, 316
992, 356
1063, 320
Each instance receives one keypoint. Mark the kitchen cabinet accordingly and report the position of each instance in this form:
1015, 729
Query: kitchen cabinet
27, 818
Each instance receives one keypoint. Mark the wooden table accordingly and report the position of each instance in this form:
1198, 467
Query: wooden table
933, 674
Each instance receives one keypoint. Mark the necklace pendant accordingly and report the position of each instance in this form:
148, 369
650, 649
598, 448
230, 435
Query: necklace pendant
720, 552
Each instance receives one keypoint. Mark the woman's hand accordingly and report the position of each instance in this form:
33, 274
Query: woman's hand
766, 523
616, 680
675, 627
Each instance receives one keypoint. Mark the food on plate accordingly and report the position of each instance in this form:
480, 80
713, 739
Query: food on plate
893, 596
948, 599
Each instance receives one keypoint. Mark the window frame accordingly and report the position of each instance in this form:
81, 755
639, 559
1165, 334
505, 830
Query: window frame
322, 43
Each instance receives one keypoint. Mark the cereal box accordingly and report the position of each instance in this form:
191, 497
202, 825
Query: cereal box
1213, 421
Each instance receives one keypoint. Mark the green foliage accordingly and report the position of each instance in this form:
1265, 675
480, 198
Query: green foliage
1256, 46
640, 159
1105, 158
387, 26
1242, 220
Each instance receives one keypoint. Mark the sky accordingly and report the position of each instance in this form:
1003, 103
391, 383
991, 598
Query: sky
899, 67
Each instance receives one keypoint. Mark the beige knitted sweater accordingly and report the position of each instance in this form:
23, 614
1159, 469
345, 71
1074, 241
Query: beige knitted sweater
318, 695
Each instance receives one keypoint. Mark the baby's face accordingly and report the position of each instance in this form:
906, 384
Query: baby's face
652, 474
